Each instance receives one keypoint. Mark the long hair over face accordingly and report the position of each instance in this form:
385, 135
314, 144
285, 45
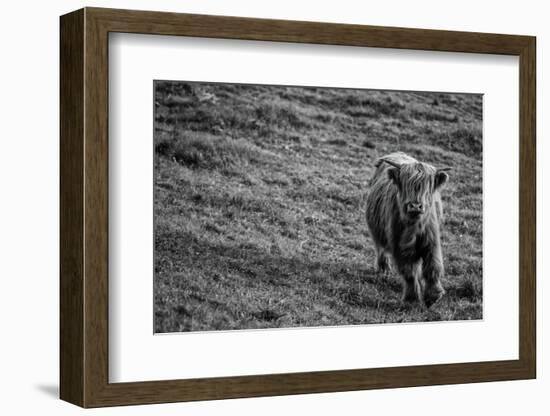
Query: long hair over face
416, 185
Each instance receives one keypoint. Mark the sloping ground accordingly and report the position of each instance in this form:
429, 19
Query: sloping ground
259, 210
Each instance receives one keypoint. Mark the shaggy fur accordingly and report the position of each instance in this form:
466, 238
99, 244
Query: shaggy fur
404, 214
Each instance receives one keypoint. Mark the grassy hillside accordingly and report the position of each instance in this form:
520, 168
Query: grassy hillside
259, 204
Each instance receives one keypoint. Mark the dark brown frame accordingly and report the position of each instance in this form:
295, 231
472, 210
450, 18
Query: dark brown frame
84, 209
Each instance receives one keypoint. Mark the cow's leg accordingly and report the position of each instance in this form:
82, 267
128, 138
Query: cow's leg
432, 273
382, 261
411, 289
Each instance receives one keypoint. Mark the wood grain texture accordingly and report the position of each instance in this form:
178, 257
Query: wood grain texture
84, 207
528, 208
96, 208
71, 213
162, 23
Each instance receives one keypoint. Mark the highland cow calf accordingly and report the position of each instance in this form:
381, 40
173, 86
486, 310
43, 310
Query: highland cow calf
404, 214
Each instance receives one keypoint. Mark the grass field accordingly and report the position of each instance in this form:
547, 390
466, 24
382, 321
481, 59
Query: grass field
259, 204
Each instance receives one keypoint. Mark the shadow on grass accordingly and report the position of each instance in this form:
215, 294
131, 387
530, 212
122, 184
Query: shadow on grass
218, 285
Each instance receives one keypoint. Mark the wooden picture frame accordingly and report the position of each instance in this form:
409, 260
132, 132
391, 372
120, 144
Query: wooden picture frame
84, 207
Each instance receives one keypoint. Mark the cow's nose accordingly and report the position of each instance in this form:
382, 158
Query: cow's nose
414, 207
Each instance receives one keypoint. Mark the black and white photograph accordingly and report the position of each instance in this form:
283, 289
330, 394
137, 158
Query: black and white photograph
290, 206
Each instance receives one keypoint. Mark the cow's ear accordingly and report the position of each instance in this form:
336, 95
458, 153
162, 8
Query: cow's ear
441, 177
393, 175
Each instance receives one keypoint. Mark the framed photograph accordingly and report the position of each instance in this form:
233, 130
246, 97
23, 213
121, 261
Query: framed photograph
255, 207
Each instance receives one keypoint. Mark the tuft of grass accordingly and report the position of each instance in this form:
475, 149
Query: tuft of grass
206, 151
467, 289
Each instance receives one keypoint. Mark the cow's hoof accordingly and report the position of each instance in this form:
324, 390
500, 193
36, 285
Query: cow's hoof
382, 265
384, 273
410, 296
432, 295
381, 270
